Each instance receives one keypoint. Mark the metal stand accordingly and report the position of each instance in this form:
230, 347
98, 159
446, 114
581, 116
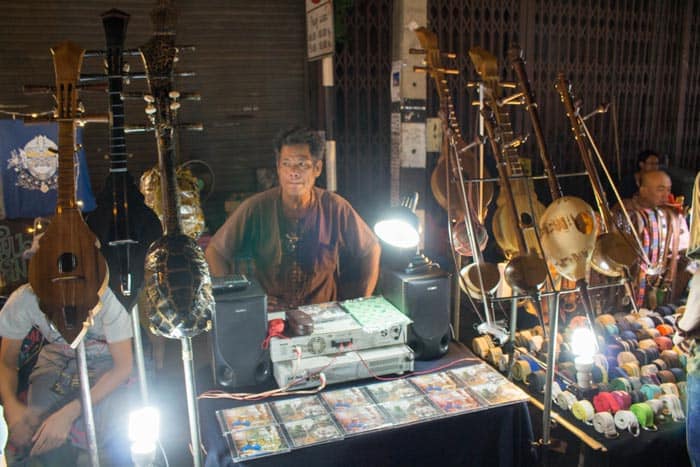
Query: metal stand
138, 354
86, 402
549, 380
192, 411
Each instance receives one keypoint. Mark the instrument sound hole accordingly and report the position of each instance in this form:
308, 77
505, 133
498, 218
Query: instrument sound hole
70, 316
525, 219
67, 262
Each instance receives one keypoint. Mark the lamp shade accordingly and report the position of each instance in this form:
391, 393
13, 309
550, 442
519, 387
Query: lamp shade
398, 227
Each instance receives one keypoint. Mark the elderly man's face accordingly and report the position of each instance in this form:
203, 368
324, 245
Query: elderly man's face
297, 170
655, 188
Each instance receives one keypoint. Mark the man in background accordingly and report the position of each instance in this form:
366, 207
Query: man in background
647, 161
663, 237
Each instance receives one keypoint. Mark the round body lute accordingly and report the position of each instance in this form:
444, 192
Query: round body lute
178, 287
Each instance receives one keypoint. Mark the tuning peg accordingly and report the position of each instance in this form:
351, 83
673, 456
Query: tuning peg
174, 105
601, 109
150, 109
149, 98
174, 95
81, 107
126, 67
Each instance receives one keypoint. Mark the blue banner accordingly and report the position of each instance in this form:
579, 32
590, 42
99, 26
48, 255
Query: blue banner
29, 169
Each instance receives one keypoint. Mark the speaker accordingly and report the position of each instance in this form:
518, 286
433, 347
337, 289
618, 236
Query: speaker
425, 298
240, 327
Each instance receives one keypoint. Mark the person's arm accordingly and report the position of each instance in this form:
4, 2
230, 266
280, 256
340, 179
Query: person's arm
55, 429
21, 421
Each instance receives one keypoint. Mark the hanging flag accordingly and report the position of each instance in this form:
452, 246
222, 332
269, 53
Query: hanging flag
29, 169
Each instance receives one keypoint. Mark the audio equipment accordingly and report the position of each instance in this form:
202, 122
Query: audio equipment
425, 298
240, 327
305, 373
358, 324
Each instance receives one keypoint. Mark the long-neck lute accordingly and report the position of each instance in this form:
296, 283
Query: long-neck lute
567, 226
177, 281
122, 221
516, 212
444, 184
68, 273
507, 229
480, 278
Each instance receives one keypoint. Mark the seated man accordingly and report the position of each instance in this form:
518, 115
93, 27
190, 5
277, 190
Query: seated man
306, 243
44, 423
663, 234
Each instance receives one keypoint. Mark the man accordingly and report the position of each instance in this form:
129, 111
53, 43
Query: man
45, 422
647, 161
663, 234
308, 245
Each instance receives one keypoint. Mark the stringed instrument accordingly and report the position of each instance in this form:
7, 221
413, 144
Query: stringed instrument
528, 207
567, 226
123, 223
68, 273
479, 278
177, 281
444, 184
613, 254
516, 213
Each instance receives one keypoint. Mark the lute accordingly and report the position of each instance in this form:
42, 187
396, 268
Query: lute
528, 207
68, 273
123, 223
443, 183
516, 212
177, 282
469, 236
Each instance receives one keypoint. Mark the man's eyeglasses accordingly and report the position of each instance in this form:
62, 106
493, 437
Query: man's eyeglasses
302, 166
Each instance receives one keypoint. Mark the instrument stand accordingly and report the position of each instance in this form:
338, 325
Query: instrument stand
513, 328
192, 410
86, 402
138, 354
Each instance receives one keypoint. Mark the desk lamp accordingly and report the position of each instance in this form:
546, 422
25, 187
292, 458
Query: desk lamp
399, 228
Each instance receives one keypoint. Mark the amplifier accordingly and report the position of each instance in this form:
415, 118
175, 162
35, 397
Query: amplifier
358, 324
240, 327
349, 366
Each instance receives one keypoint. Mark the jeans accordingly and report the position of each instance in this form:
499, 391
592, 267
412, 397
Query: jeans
693, 409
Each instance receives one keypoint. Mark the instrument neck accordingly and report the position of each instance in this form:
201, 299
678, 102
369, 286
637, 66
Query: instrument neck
117, 140
66, 165
531, 107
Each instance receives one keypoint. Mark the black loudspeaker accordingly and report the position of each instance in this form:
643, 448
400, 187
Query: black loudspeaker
425, 298
240, 327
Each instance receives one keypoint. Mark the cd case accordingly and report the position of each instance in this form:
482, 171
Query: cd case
246, 417
315, 430
257, 442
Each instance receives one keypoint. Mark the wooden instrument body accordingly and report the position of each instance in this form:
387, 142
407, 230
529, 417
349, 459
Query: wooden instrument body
177, 280
68, 273
123, 223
